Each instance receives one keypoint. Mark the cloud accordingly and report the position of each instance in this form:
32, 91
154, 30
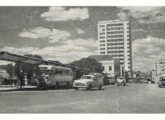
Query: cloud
143, 9
69, 51
53, 35
146, 52
143, 14
79, 31
21, 50
64, 53
2, 62
61, 14
82, 42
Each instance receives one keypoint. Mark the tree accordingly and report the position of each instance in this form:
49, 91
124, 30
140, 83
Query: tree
87, 64
9, 69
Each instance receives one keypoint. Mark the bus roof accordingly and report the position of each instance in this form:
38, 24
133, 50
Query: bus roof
49, 67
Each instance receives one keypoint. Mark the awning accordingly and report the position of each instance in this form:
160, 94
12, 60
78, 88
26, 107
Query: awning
30, 60
19, 58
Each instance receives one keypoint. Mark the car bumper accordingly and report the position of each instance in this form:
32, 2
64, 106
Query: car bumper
79, 86
162, 84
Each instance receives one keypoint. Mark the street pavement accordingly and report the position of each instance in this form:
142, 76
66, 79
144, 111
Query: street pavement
133, 98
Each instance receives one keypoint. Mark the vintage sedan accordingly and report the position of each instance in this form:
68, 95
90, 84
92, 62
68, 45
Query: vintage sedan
161, 82
121, 81
89, 81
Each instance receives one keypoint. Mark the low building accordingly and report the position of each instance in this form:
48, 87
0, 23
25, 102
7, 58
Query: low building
110, 65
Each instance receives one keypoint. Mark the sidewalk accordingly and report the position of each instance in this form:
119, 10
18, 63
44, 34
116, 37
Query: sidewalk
10, 87
7, 87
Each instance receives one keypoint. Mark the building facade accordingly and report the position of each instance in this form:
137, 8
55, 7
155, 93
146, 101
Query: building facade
114, 38
111, 66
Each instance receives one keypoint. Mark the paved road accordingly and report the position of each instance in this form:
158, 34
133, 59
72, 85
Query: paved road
134, 98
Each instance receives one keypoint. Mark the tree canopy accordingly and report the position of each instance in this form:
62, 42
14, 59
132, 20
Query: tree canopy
88, 64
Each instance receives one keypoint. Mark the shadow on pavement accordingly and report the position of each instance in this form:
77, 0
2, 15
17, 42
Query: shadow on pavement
32, 89
46, 89
162, 87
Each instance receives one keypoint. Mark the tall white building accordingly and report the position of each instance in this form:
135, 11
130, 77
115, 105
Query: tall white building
115, 39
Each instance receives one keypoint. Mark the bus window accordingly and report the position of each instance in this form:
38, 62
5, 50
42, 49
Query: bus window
58, 72
68, 72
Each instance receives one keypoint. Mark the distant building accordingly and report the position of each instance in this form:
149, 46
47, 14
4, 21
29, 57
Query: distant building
153, 76
115, 39
110, 65
159, 69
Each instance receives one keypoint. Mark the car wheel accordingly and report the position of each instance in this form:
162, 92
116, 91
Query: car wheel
89, 87
57, 86
76, 88
159, 86
100, 87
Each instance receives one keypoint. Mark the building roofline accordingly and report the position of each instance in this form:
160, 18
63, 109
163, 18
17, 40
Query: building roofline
112, 21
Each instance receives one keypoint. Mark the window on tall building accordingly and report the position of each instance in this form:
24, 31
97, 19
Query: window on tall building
102, 37
103, 68
102, 52
108, 40
102, 41
102, 33
102, 44
102, 48
101, 25
110, 68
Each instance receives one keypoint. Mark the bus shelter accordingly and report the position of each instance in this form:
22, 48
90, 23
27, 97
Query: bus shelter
32, 61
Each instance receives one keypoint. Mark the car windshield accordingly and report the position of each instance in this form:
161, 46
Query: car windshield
86, 77
45, 72
163, 79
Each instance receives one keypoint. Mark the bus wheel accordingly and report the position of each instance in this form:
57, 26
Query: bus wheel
76, 88
57, 85
100, 87
89, 87
68, 86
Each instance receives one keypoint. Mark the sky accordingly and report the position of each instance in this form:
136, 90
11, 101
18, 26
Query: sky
70, 33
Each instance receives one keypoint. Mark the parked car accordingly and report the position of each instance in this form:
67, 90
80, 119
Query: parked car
140, 81
89, 81
111, 80
161, 82
121, 81
144, 81
152, 81
131, 80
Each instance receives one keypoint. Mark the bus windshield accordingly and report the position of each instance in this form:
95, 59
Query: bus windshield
86, 77
55, 71
45, 71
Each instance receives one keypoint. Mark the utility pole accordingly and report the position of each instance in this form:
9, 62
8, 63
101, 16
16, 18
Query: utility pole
156, 69
13, 74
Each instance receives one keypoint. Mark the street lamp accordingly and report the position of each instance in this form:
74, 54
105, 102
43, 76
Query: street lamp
13, 74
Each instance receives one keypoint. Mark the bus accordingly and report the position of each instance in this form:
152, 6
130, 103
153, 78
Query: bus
54, 76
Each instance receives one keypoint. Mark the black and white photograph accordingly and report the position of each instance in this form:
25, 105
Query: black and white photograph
82, 59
